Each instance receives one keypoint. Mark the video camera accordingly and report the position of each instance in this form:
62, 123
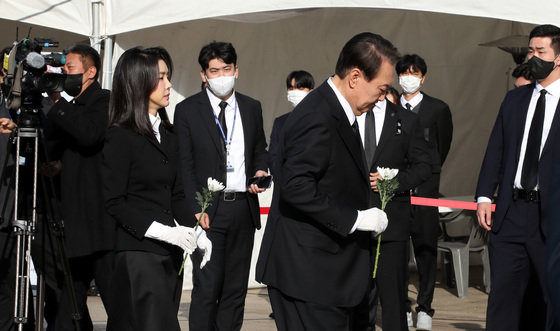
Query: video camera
26, 73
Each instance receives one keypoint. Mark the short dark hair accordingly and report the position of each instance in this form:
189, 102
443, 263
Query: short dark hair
136, 76
413, 61
523, 70
302, 79
86, 52
548, 30
365, 51
217, 50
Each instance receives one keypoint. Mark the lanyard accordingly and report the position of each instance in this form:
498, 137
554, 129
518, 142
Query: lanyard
227, 142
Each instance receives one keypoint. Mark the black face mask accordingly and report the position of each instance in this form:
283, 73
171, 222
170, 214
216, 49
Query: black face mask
540, 69
73, 84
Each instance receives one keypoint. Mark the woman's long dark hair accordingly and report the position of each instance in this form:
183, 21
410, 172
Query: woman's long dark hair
136, 76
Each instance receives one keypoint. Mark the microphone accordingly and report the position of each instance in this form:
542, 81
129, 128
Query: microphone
35, 60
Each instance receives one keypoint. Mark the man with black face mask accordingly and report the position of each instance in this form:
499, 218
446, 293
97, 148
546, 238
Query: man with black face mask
522, 153
79, 128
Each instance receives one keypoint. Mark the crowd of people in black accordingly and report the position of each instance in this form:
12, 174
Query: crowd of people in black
128, 178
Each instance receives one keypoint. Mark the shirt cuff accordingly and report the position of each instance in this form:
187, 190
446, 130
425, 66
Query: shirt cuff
156, 230
483, 199
358, 219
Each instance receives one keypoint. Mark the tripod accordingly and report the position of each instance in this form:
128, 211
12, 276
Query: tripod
25, 186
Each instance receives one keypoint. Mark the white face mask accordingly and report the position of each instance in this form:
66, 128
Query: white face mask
295, 96
409, 83
221, 86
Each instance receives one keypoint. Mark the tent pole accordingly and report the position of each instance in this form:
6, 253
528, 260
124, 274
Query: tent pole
94, 40
107, 62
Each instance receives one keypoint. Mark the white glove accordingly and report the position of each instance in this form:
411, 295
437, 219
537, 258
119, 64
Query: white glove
181, 236
373, 219
205, 246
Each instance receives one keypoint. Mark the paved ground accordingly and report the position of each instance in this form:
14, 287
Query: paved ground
452, 313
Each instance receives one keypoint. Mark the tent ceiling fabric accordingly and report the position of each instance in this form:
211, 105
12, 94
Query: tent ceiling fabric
129, 15
67, 15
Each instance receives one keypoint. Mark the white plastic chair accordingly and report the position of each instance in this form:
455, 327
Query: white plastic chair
460, 247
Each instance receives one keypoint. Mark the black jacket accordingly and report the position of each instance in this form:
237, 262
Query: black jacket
80, 128
142, 184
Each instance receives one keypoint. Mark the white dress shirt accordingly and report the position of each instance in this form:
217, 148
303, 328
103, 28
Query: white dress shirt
413, 102
236, 179
156, 121
343, 102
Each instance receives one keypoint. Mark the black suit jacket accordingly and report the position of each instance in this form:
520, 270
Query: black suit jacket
307, 251
401, 146
201, 147
142, 184
437, 129
80, 129
502, 157
277, 127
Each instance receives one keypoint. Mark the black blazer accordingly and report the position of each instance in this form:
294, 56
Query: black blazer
502, 156
437, 129
321, 182
277, 127
80, 129
201, 147
142, 183
401, 146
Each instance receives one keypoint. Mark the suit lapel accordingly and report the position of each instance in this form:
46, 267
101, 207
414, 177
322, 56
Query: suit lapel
521, 120
246, 124
207, 118
553, 129
389, 127
344, 129
162, 147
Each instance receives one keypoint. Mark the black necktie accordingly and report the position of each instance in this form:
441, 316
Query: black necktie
222, 117
357, 131
408, 107
530, 168
370, 138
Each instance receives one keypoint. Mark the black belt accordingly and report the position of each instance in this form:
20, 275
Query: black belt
531, 196
232, 196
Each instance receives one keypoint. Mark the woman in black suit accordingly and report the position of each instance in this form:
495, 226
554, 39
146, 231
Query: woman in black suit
144, 195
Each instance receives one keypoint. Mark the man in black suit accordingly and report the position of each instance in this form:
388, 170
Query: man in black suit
393, 138
79, 126
437, 130
299, 83
523, 148
316, 251
221, 136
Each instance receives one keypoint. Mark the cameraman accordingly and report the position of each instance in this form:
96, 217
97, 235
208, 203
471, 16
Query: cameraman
79, 128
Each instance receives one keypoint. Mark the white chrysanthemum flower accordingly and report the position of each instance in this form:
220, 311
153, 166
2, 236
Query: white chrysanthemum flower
214, 185
387, 173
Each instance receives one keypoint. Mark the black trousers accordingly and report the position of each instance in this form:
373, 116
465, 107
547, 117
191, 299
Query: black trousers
291, 314
98, 267
390, 285
516, 252
145, 292
8, 282
220, 288
424, 233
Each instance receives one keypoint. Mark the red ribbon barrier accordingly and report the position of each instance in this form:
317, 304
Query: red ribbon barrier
426, 202
445, 203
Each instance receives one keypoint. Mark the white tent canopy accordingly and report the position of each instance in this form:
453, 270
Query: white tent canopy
120, 16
